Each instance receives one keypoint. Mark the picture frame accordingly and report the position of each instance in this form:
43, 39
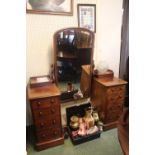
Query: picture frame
87, 16
53, 7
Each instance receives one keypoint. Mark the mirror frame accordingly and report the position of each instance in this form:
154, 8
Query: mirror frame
91, 58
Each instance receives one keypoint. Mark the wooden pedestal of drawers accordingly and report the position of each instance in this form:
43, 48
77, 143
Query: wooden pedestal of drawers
45, 107
108, 97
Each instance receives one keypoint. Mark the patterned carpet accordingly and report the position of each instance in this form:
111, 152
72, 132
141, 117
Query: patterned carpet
107, 144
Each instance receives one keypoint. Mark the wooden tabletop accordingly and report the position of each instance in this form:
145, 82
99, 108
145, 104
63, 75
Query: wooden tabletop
108, 83
43, 91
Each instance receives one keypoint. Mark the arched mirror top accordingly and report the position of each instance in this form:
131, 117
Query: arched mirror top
74, 38
73, 50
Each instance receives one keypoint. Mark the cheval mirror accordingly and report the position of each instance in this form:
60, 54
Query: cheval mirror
73, 52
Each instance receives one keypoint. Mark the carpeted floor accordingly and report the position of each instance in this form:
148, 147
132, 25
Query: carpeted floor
107, 144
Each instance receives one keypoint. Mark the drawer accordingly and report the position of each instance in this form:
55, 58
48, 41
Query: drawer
115, 103
49, 134
115, 98
117, 90
113, 114
49, 123
116, 107
45, 103
46, 112
112, 118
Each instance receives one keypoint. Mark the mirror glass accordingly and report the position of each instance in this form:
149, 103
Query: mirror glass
73, 51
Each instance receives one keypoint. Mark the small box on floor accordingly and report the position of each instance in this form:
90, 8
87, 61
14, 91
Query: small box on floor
82, 124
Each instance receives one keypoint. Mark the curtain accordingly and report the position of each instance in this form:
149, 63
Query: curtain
124, 56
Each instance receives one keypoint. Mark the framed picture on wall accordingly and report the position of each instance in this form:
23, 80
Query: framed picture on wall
56, 7
87, 16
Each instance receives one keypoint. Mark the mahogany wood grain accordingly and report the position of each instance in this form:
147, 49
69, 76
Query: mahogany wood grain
85, 80
46, 113
108, 83
44, 91
108, 97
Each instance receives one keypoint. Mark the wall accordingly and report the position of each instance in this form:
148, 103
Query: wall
109, 33
40, 30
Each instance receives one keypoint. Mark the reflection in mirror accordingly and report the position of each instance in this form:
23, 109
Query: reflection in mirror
73, 49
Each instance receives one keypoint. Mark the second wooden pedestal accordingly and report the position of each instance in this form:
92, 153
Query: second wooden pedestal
108, 97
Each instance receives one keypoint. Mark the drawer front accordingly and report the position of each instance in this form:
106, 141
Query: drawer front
115, 101
112, 99
45, 103
113, 115
116, 91
115, 96
48, 112
49, 123
49, 134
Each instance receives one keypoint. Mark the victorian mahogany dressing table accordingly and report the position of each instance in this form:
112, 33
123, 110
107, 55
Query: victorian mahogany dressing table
73, 56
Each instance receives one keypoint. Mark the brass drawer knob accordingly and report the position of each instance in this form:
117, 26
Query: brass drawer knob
113, 90
52, 101
120, 96
55, 133
40, 113
54, 121
38, 103
43, 135
41, 124
53, 111
119, 106
120, 88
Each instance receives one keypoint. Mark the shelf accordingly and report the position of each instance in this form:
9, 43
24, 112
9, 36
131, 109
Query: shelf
66, 55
